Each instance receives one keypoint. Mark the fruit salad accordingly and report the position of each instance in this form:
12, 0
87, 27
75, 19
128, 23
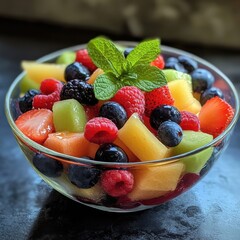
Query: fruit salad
128, 109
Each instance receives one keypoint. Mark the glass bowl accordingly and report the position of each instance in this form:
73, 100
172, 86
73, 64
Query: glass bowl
155, 182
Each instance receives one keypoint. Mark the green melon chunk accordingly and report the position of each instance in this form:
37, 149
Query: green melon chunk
192, 140
27, 84
66, 58
69, 115
172, 75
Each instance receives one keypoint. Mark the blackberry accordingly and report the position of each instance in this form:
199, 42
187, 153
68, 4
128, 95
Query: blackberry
25, 102
47, 166
109, 152
76, 71
115, 112
83, 176
164, 113
202, 79
170, 133
210, 93
79, 90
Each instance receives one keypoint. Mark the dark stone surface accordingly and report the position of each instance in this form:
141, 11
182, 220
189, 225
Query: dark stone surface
30, 209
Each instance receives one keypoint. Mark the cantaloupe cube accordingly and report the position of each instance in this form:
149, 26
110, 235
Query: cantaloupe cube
136, 136
154, 181
94, 75
91, 149
40, 71
181, 92
73, 144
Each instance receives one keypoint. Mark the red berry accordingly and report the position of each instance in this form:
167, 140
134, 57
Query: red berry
215, 115
132, 99
83, 57
189, 121
100, 130
91, 111
117, 183
146, 121
50, 93
36, 124
158, 62
157, 97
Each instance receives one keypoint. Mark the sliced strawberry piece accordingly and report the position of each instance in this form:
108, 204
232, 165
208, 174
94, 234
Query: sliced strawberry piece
83, 57
158, 62
215, 116
36, 124
156, 98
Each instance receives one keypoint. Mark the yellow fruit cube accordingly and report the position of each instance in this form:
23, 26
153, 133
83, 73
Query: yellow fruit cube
136, 136
155, 180
40, 71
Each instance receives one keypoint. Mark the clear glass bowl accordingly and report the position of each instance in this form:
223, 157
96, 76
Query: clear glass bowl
141, 199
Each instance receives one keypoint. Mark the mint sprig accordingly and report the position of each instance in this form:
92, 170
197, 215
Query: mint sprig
135, 70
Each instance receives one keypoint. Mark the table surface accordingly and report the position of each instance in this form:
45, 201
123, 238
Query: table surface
30, 209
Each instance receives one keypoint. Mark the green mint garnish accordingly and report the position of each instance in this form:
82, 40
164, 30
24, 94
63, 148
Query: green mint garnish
135, 70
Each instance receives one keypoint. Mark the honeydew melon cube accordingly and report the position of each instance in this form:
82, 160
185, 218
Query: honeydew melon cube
172, 75
142, 143
155, 180
67, 57
192, 140
69, 115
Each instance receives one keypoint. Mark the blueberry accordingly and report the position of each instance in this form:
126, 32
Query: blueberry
47, 166
115, 112
174, 65
210, 93
76, 71
25, 102
170, 133
188, 63
83, 176
127, 51
172, 59
202, 79
164, 113
79, 90
109, 152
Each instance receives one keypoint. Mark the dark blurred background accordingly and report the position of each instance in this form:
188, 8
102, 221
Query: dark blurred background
206, 22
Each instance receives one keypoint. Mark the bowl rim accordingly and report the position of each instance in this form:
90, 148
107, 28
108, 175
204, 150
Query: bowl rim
78, 160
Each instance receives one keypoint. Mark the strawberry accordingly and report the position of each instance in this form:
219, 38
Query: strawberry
158, 62
156, 98
215, 115
83, 57
36, 124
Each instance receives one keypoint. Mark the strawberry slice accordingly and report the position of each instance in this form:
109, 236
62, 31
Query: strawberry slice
36, 124
215, 115
156, 98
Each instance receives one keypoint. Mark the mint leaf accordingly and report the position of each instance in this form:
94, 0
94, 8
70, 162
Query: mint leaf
146, 77
105, 86
106, 55
144, 53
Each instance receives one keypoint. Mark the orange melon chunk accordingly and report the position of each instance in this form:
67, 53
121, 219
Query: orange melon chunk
136, 136
40, 71
181, 92
73, 144
155, 181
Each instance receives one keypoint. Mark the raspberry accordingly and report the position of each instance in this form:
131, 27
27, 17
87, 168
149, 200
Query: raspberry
117, 183
100, 130
132, 100
157, 97
189, 121
158, 62
50, 93
83, 57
